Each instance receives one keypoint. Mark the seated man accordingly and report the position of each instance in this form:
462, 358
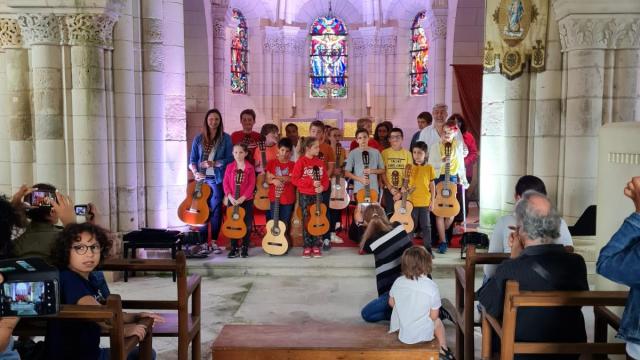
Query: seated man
499, 241
539, 265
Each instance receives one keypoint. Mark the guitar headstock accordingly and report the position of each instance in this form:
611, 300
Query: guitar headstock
365, 158
279, 190
395, 178
321, 155
407, 171
338, 151
261, 145
239, 176
447, 149
316, 173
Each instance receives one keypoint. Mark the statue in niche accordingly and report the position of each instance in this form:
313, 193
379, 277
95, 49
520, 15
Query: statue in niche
515, 11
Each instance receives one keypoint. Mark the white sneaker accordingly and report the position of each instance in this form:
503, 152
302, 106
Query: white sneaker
336, 239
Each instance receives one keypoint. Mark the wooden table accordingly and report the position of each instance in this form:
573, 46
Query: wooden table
317, 341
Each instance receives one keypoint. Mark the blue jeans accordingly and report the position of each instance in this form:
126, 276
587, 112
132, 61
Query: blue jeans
105, 354
377, 310
215, 211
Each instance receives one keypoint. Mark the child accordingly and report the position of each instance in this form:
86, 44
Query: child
355, 166
78, 251
422, 191
456, 170
271, 134
366, 123
395, 158
415, 300
327, 154
302, 178
279, 174
247, 136
240, 152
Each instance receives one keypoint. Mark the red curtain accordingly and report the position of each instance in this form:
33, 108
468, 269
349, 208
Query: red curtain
469, 80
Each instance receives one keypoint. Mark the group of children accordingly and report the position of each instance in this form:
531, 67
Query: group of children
384, 173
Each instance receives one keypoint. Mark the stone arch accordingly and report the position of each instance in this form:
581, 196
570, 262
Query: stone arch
252, 10
312, 9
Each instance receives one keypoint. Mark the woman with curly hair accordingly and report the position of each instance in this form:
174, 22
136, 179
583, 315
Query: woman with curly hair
79, 249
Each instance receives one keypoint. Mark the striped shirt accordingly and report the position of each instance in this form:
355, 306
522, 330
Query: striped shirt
387, 250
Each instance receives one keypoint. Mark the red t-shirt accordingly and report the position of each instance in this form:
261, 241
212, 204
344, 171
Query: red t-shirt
278, 168
302, 176
251, 139
372, 143
271, 153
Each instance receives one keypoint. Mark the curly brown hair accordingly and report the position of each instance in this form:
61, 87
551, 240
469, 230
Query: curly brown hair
416, 262
61, 250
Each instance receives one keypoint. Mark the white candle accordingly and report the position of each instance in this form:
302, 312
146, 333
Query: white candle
368, 96
293, 99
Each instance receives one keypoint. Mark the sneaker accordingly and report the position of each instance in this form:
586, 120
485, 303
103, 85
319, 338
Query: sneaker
215, 249
244, 252
233, 253
316, 252
326, 245
336, 239
446, 354
306, 253
442, 248
338, 226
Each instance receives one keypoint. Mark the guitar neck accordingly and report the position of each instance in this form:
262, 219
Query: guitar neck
236, 196
447, 170
276, 211
367, 188
405, 185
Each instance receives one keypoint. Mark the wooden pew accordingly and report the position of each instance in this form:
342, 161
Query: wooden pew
317, 341
465, 296
514, 299
180, 323
111, 314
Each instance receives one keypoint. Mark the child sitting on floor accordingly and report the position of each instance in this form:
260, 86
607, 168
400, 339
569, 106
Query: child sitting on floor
415, 300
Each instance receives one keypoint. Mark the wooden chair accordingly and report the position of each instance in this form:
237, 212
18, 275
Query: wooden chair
514, 299
465, 296
111, 314
181, 324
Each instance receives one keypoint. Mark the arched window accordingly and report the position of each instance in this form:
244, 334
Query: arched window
419, 76
328, 58
239, 49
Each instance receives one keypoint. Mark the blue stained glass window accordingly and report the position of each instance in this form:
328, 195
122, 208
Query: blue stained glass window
239, 57
328, 58
419, 75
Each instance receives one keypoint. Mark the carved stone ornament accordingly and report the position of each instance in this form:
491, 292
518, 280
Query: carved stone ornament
91, 30
40, 29
152, 30
278, 43
437, 26
10, 36
621, 31
218, 29
374, 45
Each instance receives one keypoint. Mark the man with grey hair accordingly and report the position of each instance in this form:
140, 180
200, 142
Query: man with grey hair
539, 265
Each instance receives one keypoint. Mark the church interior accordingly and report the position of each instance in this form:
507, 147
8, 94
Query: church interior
146, 118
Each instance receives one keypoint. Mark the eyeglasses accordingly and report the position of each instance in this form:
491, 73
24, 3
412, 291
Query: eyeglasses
395, 137
82, 249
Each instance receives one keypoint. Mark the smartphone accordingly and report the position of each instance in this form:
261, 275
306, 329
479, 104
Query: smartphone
29, 298
81, 210
40, 198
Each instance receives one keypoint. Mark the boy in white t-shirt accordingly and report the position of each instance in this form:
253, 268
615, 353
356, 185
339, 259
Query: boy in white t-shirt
415, 300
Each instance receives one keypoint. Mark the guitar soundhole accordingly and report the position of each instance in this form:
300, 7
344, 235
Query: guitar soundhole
338, 187
265, 185
236, 216
275, 231
446, 193
403, 211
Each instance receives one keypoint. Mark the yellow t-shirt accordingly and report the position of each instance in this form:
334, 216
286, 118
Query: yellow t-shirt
421, 177
395, 161
455, 164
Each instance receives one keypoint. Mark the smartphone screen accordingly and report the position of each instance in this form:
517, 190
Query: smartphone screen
42, 198
28, 298
81, 210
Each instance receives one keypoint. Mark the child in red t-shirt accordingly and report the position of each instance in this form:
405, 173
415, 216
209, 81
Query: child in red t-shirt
279, 172
302, 178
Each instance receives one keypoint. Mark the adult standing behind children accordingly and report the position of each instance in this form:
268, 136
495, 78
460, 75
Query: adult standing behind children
210, 155
432, 134
366, 123
247, 135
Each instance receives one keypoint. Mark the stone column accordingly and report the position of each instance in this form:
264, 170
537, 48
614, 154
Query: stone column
219, 64
42, 35
89, 35
125, 122
16, 105
154, 112
437, 27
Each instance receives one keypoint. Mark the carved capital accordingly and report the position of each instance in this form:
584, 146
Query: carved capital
218, 29
374, 45
279, 43
40, 29
152, 31
620, 31
10, 36
90, 29
437, 25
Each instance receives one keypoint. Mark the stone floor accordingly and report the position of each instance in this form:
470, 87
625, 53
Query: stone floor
279, 299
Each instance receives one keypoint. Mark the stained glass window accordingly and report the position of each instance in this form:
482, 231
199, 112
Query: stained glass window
419, 75
328, 58
239, 49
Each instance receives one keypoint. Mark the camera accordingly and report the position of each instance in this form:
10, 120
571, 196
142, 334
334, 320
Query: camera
41, 198
81, 210
30, 288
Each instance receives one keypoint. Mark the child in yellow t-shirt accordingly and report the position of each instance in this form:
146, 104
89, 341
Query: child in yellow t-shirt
422, 191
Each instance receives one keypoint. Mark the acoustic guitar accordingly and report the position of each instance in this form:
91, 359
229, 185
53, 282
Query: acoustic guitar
445, 203
261, 198
194, 209
403, 207
296, 224
234, 226
318, 224
275, 241
339, 198
366, 195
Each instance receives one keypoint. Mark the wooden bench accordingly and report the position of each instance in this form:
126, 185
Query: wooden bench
181, 324
317, 341
514, 299
111, 314
465, 277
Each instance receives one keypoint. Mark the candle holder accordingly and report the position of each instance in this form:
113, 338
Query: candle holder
293, 111
369, 111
